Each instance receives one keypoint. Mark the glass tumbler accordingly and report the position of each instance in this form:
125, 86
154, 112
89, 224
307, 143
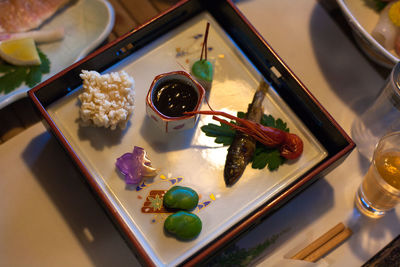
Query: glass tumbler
382, 117
379, 191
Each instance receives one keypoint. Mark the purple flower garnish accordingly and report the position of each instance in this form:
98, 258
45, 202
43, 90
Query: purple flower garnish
134, 166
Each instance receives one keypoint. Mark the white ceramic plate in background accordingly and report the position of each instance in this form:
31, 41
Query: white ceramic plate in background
362, 19
86, 23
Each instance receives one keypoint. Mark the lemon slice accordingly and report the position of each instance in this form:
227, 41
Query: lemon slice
20, 52
394, 13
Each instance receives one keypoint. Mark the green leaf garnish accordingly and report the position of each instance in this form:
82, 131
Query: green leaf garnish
203, 69
34, 76
268, 120
45, 62
266, 157
263, 156
223, 133
12, 77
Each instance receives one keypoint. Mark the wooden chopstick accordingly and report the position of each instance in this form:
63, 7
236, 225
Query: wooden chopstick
328, 246
325, 243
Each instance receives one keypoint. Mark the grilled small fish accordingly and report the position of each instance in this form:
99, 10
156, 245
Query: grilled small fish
243, 146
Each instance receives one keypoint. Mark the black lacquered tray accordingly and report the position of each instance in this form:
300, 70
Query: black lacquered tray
242, 58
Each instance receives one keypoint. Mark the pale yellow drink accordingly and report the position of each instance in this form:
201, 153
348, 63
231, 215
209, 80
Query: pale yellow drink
380, 189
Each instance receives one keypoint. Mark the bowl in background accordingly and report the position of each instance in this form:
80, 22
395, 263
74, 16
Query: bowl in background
362, 20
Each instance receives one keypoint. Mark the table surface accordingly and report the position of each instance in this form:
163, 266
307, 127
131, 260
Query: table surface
49, 217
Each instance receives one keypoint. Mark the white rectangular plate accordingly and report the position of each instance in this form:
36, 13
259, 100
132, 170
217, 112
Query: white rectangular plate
189, 155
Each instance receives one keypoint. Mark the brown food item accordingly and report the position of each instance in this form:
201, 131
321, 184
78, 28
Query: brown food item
24, 15
243, 146
153, 203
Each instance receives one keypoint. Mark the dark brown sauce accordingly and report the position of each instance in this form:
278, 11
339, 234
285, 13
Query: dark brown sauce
174, 97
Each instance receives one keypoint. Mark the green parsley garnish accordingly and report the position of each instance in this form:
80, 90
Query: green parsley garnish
223, 133
263, 156
12, 77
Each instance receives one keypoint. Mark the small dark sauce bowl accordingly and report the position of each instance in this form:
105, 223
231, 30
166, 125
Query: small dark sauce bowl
177, 121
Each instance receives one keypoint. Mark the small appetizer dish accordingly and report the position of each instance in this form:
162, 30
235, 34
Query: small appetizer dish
375, 28
180, 179
170, 95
